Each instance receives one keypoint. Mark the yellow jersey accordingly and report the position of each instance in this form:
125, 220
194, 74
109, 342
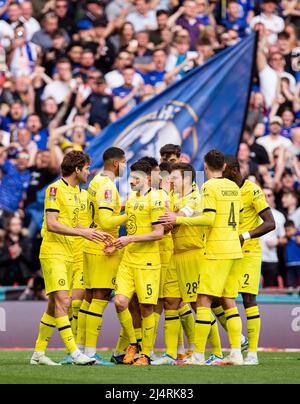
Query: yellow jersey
254, 203
83, 221
224, 197
166, 244
143, 212
102, 194
188, 238
65, 200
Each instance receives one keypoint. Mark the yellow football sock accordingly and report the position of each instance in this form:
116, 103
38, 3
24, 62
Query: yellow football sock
172, 326
125, 319
76, 304
234, 327
180, 334
253, 326
47, 327
157, 318
123, 342
220, 314
138, 335
94, 322
214, 338
148, 328
202, 328
64, 328
188, 324
81, 324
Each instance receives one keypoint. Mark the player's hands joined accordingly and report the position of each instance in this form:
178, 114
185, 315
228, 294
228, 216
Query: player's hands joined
168, 228
169, 218
109, 249
122, 242
96, 236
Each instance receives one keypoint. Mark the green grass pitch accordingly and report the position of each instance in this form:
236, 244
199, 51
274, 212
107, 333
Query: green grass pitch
275, 367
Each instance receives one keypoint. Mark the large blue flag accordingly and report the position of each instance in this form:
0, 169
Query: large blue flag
204, 110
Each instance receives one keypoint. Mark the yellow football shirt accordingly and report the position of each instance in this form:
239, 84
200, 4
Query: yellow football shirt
143, 211
62, 198
166, 244
223, 197
83, 221
102, 194
254, 203
188, 238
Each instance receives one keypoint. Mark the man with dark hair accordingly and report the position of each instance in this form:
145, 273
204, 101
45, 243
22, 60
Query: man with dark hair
162, 17
222, 206
258, 221
139, 271
62, 206
170, 153
100, 265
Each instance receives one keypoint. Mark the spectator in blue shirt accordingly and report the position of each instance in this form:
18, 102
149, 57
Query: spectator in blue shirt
15, 119
292, 253
39, 135
14, 182
127, 96
288, 119
99, 105
155, 78
233, 19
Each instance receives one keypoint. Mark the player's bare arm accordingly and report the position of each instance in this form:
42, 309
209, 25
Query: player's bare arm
267, 225
54, 226
156, 234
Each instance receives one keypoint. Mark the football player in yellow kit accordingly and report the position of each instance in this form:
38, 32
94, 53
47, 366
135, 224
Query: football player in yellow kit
99, 266
60, 228
183, 274
171, 153
139, 271
258, 220
222, 205
77, 284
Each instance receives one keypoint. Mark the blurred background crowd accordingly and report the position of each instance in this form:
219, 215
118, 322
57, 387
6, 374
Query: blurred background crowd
69, 68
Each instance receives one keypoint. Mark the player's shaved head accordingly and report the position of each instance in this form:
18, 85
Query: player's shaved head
113, 153
215, 160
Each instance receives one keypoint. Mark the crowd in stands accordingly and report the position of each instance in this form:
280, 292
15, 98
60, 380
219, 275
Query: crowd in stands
69, 68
